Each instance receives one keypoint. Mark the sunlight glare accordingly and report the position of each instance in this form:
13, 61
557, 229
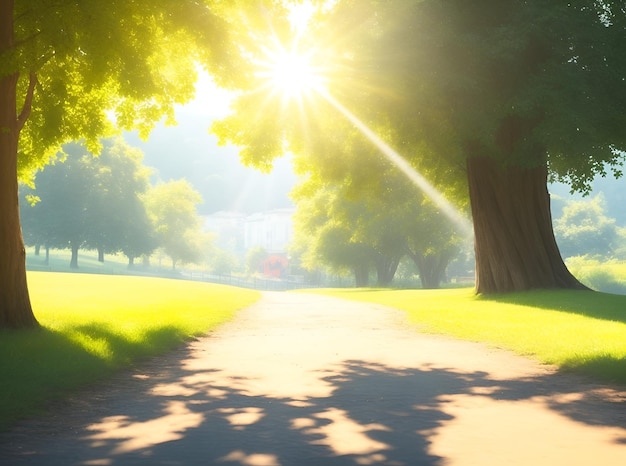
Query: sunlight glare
405, 167
299, 16
291, 73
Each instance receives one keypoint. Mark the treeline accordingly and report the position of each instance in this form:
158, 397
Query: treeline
376, 227
105, 202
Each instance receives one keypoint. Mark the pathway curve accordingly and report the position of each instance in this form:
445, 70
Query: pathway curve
300, 379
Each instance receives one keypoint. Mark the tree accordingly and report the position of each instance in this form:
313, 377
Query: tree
222, 261
584, 229
64, 65
255, 258
358, 224
323, 236
172, 207
116, 214
502, 93
90, 201
59, 217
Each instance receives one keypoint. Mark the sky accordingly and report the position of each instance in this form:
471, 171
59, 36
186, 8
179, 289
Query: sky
187, 150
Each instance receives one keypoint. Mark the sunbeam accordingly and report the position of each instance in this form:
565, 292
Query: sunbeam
416, 178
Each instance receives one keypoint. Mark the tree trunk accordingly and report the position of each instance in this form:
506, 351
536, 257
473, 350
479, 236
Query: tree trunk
15, 306
431, 268
37, 249
131, 262
386, 270
361, 276
47, 259
100, 254
514, 241
74, 260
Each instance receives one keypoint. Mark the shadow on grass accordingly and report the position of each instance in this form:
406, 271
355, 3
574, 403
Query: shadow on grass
591, 304
588, 303
39, 366
376, 414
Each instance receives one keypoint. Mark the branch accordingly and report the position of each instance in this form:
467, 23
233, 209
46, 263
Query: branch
28, 102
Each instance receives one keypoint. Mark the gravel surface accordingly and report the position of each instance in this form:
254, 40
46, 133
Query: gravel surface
301, 379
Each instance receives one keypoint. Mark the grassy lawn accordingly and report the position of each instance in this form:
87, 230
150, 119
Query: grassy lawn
579, 331
95, 324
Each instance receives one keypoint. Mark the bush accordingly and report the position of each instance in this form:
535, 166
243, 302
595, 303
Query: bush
608, 276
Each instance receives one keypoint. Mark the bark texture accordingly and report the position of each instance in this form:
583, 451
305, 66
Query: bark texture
431, 268
15, 306
386, 268
514, 241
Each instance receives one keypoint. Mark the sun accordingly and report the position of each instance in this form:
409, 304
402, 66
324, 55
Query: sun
291, 73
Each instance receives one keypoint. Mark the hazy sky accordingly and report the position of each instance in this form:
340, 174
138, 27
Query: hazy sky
189, 151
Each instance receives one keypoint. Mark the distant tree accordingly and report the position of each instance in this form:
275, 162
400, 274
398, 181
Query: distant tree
382, 218
58, 218
92, 202
221, 261
116, 215
584, 229
345, 234
172, 207
254, 259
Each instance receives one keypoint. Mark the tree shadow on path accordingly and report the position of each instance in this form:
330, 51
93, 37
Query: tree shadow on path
376, 414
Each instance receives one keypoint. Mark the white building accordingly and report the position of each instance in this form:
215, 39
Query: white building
272, 230
228, 228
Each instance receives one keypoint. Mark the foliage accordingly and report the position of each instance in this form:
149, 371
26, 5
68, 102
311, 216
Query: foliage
83, 70
172, 207
574, 330
96, 332
527, 88
222, 262
535, 63
324, 234
584, 228
117, 217
59, 217
92, 202
372, 223
600, 275
254, 259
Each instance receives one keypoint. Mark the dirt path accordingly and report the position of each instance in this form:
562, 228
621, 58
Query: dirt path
302, 379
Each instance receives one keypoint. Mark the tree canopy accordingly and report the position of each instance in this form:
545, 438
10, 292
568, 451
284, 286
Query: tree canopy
77, 70
585, 229
496, 95
172, 207
91, 201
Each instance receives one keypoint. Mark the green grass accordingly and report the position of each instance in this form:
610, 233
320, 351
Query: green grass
578, 331
93, 325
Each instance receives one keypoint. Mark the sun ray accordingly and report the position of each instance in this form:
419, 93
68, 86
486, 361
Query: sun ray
290, 72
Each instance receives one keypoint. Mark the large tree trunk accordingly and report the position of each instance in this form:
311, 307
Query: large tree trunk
15, 307
431, 268
514, 241
385, 270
